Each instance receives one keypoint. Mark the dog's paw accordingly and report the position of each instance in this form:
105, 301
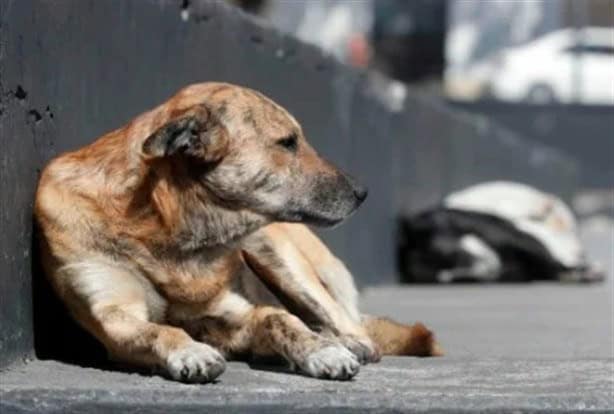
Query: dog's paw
363, 348
331, 362
195, 362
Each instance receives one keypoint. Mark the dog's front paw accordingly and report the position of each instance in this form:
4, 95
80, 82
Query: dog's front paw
331, 362
363, 348
195, 362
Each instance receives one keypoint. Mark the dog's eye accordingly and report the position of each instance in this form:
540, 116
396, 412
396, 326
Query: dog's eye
290, 143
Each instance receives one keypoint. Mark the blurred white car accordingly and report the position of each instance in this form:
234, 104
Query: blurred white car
563, 66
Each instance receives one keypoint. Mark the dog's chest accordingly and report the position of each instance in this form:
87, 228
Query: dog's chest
249, 286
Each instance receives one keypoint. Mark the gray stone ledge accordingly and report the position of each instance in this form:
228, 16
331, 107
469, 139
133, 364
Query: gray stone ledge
394, 385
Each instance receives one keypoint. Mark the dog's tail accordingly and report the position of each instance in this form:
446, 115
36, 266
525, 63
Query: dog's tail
393, 338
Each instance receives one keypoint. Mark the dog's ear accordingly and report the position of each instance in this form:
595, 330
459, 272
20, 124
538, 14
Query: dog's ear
194, 133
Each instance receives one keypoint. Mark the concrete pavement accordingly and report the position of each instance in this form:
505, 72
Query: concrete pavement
406, 385
510, 348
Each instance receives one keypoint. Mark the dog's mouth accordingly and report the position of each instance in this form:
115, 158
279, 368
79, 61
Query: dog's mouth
310, 218
315, 218
321, 212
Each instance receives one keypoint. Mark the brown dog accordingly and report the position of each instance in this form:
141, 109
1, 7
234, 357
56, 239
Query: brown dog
160, 237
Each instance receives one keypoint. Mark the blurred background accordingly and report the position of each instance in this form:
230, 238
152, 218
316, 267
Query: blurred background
501, 58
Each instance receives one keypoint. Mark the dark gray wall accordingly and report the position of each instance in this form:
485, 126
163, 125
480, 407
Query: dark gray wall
585, 133
71, 70
445, 149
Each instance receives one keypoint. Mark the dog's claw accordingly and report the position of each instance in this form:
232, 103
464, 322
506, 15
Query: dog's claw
195, 362
331, 362
365, 351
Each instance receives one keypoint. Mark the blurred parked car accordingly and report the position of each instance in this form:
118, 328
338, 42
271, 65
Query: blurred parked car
564, 66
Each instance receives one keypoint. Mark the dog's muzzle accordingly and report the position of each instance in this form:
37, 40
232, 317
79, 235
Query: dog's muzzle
328, 201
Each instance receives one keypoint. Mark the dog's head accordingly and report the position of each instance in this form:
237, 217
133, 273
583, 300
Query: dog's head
250, 154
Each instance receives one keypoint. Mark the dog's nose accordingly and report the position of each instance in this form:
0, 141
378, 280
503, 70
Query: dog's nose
361, 193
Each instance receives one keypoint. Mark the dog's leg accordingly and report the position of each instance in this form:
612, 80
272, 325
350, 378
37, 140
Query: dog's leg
237, 327
277, 331
331, 271
121, 308
322, 278
275, 259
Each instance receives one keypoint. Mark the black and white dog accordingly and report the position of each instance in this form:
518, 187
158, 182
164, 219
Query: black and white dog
495, 231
